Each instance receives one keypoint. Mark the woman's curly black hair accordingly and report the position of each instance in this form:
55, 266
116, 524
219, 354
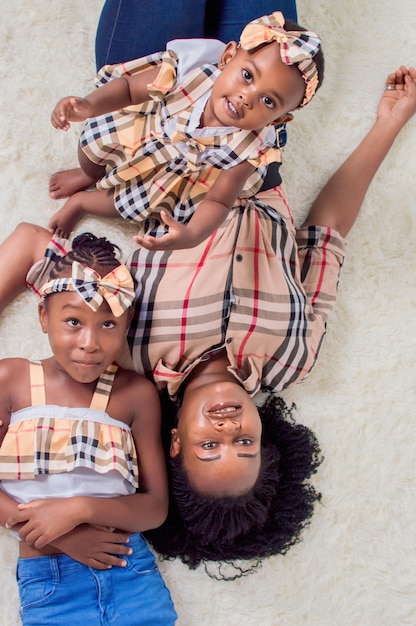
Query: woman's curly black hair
268, 520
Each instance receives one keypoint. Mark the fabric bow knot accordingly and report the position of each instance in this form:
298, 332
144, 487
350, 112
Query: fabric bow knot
116, 287
296, 47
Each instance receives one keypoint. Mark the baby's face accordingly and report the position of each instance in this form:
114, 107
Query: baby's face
254, 89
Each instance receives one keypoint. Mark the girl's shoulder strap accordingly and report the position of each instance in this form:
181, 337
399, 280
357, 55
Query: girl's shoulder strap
103, 389
37, 383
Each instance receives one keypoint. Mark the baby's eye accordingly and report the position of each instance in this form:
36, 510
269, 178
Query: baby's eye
208, 445
245, 441
247, 75
269, 102
72, 322
109, 324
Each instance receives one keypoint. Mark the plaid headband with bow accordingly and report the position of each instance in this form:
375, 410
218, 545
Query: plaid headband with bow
296, 47
116, 288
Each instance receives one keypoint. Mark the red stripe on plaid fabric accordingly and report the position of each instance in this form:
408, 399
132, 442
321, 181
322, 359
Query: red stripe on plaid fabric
187, 95
255, 307
61, 250
323, 266
188, 293
18, 459
104, 159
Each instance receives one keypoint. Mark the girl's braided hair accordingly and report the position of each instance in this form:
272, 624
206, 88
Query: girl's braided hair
268, 520
98, 253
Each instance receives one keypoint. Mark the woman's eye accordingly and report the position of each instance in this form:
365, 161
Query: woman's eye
208, 445
247, 75
72, 322
269, 102
109, 324
245, 441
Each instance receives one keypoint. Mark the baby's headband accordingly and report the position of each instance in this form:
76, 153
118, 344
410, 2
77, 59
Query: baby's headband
116, 288
296, 47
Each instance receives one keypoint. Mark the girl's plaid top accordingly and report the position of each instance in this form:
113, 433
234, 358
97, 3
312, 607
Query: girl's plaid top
155, 155
44, 439
257, 287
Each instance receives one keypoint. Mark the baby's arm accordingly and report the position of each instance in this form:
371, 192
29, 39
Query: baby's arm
43, 521
339, 202
209, 215
114, 95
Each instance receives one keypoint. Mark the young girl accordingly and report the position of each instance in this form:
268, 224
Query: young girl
202, 137
76, 425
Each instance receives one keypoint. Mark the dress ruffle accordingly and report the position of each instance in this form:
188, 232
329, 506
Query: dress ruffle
46, 445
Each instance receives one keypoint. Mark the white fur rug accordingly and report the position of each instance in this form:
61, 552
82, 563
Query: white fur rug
356, 565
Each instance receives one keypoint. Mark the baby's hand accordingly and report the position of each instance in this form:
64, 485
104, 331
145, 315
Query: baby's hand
178, 237
398, 102
71, 109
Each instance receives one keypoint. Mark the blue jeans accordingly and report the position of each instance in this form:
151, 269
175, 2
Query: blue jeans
57, 590
130, 29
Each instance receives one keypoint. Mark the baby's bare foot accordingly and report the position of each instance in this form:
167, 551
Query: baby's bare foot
63, 221
67, 182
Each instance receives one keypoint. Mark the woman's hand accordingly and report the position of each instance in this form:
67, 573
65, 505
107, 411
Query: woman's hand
398, 102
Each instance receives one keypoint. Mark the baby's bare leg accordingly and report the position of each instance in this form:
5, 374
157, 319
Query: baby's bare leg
98, 202
67, 182
25, 246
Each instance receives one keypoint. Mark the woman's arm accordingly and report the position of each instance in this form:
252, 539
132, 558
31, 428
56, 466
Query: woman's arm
209, 215
114, 95
339, 202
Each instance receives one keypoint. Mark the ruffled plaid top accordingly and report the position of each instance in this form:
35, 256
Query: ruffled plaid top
155, 154
45, 439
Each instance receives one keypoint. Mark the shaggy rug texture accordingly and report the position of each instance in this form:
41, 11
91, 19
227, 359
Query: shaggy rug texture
357, 562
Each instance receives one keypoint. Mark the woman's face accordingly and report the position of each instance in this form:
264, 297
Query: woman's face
219, 438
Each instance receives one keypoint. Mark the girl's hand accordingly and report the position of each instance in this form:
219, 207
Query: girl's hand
95, 547
71, 109
178, 237
398, 105
43, 521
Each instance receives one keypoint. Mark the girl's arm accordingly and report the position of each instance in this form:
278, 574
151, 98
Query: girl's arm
114, 95
43, 521
209, 215
339, 202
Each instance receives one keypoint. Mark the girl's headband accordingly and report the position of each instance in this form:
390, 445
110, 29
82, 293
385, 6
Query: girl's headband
296, 47
116, 288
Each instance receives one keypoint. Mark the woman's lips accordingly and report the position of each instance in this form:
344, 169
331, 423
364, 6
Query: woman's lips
224, 409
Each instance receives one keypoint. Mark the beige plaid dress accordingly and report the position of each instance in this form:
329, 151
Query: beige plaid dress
258, 287
155, 155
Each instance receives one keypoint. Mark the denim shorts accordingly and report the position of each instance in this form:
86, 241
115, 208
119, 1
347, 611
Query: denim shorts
57, 590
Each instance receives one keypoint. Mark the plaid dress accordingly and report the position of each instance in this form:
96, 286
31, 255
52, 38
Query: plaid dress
44, 440
155, 155
257, 287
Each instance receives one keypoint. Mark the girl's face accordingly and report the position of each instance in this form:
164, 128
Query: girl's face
254, 89
219, 437
84, 343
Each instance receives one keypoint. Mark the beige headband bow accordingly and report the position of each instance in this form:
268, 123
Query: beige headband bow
116, 288
296, 47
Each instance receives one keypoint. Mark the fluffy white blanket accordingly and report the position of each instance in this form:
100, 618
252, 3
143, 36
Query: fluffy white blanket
356, 565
